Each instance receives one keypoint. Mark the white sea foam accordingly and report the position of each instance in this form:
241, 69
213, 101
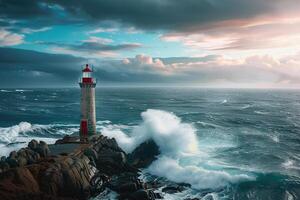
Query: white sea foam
177, 141
17, 136
10, 134
274, 137
166, 129
290, 164
19, 90
224, 101
4, 90
198, 177
209, 125
260, 112
246, 106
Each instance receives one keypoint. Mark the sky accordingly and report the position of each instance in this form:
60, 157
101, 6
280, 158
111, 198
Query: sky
198, 43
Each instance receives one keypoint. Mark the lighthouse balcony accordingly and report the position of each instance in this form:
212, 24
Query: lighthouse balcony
87, 80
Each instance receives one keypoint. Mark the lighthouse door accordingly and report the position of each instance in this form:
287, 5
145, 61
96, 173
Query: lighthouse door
84, 131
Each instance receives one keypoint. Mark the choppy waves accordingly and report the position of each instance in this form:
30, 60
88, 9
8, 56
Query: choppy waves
178, 143
188, 154
17, 136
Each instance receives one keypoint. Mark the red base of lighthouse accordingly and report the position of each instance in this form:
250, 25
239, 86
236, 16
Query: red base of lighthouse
83, 129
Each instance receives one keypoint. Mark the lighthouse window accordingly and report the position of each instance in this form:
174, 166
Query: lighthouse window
86, 74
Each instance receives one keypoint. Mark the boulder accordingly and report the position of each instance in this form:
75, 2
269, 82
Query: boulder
143, 194
12, 162
4, 165
67, 139
13, 155
91, 154
17, 183
174, 188
144, 154
32, 144
22, 161
3, 158
43, 149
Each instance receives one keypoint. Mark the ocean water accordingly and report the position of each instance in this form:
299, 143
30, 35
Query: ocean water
226, 143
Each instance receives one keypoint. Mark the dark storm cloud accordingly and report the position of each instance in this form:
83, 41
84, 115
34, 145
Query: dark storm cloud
24, 68
20, 67
147, 14
93, 46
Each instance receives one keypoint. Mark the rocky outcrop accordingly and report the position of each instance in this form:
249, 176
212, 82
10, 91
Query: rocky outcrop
144, 154
33, 173
25, 156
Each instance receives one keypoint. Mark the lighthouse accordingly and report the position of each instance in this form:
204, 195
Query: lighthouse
88, 111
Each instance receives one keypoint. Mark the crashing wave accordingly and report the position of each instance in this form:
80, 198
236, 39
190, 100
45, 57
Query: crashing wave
17, 136
177, 141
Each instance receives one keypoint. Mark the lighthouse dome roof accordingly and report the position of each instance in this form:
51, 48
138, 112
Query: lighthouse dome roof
87, 69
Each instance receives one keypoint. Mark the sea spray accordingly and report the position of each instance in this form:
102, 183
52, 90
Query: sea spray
166, 129
17, 136
10, 134
176, 141
198, 177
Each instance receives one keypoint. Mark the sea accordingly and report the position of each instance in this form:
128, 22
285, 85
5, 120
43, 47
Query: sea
226, 143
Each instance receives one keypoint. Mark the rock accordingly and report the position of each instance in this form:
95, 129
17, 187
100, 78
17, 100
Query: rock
111, 162
144, 154
33, 144
12, 162
43, 149
91, 153
4, 165
22, 161
128, 187
139, 195
67, 139
13, 155
171, 189
144, 195
17, 183
3, 158
73, 176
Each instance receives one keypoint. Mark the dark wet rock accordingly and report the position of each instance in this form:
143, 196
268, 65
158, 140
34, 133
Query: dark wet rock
43, 149
33, 173
12, 162
4, 165
67, 139
33, 144
144, 195
16, 183
98, 183
22, 161
3, 158
144, 154
174, 188
13, 155
91, 153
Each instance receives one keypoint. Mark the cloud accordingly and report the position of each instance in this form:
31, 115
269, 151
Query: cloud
103, 30
256, 34
30, 68
32, 30
145, 14
92, 47
201, 25
10, 39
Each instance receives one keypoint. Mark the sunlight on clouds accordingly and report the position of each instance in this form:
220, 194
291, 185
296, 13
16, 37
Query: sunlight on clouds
10, 39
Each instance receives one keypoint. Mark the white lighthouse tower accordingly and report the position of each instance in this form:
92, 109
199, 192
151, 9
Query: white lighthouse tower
88, 110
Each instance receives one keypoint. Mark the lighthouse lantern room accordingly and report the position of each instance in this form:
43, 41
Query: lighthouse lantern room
88, 111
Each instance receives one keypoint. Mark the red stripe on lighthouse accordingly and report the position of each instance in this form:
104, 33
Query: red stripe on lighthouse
84, 130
